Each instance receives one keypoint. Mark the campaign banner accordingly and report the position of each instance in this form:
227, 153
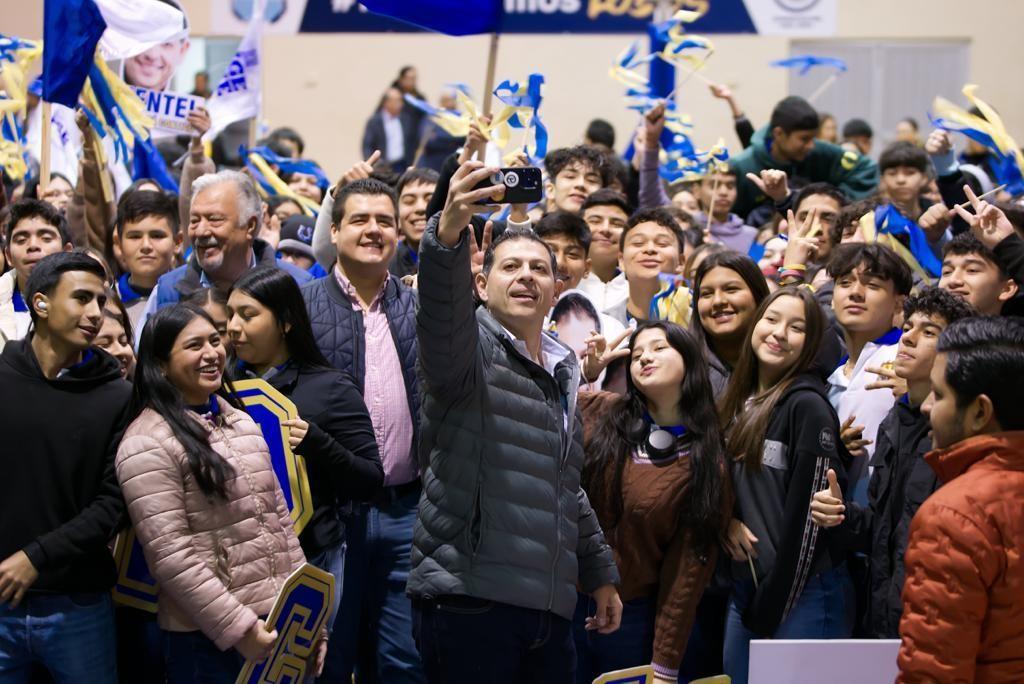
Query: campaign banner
135, 586
299, 614
774, 17
169, 110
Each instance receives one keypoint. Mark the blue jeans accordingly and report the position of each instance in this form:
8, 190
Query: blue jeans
374, 628
825, 610
630, 646
71, 635
191, 658
333, 561
463, 639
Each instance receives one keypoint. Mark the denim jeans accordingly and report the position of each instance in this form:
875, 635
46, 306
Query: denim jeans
631, 645
463, 639
191, 658
71, 635
333, 561
373, 632
825, 610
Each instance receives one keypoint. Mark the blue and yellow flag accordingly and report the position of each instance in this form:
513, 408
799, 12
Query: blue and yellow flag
525, 99
988, 130
886, 225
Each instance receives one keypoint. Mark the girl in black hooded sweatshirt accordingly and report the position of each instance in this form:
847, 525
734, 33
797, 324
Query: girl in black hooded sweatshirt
783, 436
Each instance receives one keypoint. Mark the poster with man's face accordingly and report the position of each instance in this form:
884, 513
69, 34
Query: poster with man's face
154, 68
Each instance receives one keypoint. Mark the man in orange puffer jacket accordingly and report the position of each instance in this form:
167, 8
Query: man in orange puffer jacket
963, 599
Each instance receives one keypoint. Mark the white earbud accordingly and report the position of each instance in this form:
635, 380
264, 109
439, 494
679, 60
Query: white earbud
41, 306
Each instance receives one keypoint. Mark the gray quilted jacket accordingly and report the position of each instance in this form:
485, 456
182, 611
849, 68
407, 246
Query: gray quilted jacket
502, 515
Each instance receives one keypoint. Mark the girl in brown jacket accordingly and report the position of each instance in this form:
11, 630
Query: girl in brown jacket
204, 500
655, 475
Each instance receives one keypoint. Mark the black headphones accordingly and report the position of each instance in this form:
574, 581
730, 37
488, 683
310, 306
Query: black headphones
661, 441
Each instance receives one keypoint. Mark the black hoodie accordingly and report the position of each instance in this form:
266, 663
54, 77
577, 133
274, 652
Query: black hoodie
801, 444
61, 500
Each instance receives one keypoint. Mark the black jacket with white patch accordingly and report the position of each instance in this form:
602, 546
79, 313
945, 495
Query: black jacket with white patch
801, 444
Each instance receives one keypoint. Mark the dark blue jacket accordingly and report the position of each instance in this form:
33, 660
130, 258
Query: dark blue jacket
339, 333
178, 284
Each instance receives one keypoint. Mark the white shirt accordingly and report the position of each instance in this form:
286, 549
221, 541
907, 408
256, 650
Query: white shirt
605, 295
395, 137
849, 397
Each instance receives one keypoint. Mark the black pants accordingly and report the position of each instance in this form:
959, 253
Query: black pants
463, 639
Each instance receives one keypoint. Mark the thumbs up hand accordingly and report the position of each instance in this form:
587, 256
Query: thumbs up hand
827, 508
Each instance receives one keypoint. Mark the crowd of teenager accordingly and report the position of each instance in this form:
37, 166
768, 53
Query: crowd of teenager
634, 423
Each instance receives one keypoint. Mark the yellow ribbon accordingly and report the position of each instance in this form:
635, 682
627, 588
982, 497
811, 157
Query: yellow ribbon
279, 186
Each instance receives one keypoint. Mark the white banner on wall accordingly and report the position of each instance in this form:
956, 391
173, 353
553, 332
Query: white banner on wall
794, 17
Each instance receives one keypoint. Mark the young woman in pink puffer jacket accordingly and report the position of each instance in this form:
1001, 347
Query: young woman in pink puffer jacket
204, 500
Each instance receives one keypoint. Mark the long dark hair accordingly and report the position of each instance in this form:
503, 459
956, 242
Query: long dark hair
278, 291
624, 428
745, 267
153, 390
746, 423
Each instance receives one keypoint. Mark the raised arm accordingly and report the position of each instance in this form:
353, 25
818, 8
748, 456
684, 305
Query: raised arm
651, 193
446, 328
196, 164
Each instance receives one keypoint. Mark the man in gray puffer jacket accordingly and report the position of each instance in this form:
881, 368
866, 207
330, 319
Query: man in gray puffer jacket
504, 533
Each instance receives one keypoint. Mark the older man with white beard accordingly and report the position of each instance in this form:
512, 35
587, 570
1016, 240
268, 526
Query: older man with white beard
223, 221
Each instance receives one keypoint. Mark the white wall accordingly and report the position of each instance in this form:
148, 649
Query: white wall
326, 85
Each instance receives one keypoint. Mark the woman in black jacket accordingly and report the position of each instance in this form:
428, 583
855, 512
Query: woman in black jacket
783, 436
272, 338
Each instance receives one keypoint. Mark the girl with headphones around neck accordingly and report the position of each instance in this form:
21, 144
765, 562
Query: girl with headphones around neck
656, 477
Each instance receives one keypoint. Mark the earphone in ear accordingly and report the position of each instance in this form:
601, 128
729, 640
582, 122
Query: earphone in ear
41, 306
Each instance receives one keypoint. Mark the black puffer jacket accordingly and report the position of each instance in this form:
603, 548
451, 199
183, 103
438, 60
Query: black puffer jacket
340, 334
900, 483
502, 515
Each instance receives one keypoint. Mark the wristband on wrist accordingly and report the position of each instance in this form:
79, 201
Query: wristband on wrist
794, 267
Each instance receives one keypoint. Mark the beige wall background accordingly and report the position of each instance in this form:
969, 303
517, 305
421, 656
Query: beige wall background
326, 85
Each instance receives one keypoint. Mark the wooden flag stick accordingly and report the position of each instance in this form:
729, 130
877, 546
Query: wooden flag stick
492, 64
253, 123
967, 204
44, 154
823, 87
711, 204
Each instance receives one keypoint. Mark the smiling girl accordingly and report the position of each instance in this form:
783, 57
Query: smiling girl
207, 508
783, 437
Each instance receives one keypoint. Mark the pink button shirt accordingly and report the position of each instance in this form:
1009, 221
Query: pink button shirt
384, 389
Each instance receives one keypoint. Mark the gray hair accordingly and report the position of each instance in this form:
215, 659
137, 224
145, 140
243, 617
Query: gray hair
249, 203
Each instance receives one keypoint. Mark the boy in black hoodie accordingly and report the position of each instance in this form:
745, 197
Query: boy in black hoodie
901, 480
63, 412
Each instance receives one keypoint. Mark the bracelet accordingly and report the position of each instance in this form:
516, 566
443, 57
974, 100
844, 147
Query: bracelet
794, 267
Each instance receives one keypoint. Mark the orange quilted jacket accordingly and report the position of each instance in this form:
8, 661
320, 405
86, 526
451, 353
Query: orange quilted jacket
963, 599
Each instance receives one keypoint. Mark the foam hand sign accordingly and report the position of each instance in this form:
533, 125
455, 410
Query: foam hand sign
298, 616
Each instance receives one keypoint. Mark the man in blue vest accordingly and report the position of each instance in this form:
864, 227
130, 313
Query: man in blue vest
224, 218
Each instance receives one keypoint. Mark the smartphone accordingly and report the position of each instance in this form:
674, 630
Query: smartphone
523, 185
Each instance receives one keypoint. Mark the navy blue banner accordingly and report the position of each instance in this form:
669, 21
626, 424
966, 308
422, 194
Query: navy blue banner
542, 16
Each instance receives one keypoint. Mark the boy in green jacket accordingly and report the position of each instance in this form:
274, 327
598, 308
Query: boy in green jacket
788, 145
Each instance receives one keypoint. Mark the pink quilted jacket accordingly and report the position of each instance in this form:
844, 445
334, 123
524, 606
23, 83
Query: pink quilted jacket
219, 564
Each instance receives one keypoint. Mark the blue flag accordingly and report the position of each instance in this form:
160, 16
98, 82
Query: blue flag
453, 17
804, 63
71, 30
148, 163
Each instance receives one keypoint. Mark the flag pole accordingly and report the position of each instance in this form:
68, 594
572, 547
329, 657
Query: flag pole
492, 63
823, 87
44, 153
